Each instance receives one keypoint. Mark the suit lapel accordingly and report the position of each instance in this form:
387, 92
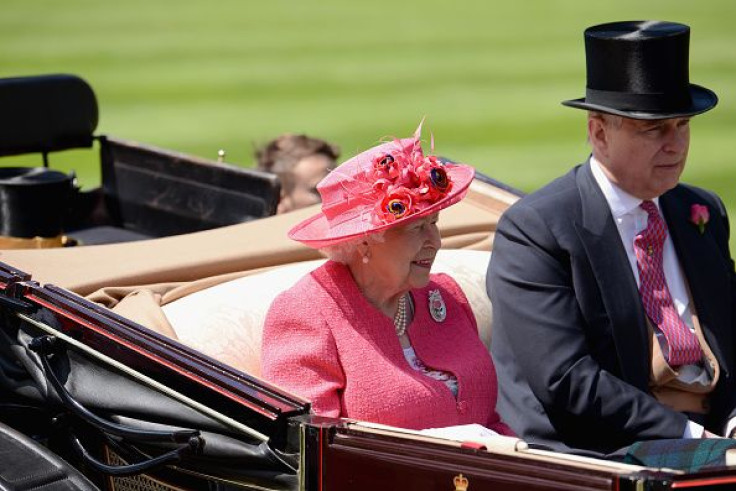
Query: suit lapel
620, 295
699, 255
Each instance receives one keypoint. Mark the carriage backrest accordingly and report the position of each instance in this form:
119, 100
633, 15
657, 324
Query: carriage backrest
226, 321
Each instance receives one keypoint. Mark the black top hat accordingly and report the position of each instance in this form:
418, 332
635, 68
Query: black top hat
639, 69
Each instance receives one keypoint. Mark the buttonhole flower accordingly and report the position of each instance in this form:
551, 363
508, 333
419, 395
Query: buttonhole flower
699, 215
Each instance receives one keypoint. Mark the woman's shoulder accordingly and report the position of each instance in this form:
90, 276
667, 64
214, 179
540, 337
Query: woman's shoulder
298, 305
316, 286
305, 285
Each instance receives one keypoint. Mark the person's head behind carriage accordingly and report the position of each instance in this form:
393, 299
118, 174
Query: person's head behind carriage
300, 162
365, 336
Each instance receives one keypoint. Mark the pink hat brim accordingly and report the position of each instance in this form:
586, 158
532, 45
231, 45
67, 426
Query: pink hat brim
317, 233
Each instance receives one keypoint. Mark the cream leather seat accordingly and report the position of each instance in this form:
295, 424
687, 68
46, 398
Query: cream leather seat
226, 321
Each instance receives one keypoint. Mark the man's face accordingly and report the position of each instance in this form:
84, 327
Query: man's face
305, 176
644, 158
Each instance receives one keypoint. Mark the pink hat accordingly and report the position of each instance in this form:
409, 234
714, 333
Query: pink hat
387, 185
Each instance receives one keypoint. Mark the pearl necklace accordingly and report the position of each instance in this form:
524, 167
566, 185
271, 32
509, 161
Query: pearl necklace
400, 317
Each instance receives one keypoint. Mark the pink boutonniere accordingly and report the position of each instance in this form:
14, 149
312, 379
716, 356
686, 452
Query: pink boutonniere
699, 215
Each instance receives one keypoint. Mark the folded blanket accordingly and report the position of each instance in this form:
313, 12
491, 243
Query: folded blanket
684, 454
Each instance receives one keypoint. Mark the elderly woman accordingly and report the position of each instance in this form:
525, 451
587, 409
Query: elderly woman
372, 335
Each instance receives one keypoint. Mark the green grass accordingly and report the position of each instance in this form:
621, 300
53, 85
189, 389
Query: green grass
489, 76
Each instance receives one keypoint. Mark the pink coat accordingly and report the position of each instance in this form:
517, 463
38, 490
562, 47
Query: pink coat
324, 341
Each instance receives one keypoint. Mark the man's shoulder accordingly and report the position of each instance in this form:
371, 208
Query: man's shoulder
694, 194
560, 194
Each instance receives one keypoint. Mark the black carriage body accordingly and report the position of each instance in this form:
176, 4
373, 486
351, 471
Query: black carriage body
148, 396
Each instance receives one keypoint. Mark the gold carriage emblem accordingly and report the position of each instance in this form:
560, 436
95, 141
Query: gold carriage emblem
461, 483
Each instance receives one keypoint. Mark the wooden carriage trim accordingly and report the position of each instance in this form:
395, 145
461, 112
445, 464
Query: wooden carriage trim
707, 481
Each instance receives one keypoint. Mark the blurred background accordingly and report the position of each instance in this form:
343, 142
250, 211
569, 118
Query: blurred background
488, 76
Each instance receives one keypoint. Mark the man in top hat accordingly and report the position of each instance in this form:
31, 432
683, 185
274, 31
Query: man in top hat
613, 287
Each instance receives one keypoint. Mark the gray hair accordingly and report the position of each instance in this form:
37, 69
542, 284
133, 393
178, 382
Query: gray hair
343, 252
610, 120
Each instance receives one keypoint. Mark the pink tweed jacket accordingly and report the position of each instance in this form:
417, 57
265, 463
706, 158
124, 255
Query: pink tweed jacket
324, 341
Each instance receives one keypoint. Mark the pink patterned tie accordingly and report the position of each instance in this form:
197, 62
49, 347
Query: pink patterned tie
684, 348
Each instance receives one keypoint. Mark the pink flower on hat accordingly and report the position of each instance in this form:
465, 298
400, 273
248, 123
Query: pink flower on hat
396, 204
386, 167
435, 183
406, 181
699, 215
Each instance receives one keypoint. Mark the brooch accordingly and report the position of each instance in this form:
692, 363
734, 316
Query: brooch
437, 308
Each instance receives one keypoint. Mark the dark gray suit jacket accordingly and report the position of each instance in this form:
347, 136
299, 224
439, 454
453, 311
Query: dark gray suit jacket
570, 339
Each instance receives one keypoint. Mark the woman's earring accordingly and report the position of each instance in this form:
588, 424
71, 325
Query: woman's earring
366, 254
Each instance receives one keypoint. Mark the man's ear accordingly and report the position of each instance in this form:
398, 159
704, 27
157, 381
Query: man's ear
284, 204
598, 136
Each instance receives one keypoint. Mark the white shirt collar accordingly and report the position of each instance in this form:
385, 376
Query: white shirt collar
619, 201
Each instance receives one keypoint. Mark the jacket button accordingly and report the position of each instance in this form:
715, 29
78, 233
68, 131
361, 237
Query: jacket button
462, 407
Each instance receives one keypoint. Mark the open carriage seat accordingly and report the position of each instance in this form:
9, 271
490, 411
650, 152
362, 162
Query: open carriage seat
226, 321
148, 281
223, 316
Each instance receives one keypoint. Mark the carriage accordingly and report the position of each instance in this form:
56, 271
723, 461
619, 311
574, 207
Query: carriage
130, 353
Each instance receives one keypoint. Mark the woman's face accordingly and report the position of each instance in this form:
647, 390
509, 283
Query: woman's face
403, 260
